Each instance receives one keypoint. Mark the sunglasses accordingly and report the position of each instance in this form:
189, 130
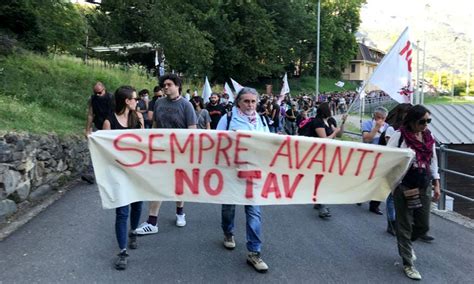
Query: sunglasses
424, 121
136, 99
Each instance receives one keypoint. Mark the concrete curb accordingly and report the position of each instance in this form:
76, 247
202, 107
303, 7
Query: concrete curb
453, 217
26, 214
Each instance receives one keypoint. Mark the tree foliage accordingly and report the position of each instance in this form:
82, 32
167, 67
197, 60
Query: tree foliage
247, 40
46, 25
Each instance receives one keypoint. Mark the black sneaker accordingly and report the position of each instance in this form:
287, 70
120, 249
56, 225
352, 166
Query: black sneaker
324, 212
88, 178
426, 238
132, 241
121, 262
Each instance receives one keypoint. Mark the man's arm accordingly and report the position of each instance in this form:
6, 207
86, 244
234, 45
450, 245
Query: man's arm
368, 136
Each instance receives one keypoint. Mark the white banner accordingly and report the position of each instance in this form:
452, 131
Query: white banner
229, 92
206, 91
285, 89
240, 167
237, 86
393, 73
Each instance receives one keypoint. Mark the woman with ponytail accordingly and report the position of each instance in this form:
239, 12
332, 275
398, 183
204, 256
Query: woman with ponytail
125, 116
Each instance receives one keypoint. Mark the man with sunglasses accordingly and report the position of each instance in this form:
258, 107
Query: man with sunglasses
371, 131
157, 94
99, 107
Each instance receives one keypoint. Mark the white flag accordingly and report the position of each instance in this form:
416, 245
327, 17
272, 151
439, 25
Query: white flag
285, 89
228, 91
156, 58
393, 74
206, 91
237, 86
340, 84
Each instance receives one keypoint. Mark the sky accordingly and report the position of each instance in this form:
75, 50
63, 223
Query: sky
447, 26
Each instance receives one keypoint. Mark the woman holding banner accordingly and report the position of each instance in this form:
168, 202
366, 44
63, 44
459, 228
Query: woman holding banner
125, 117
413, 196
325, 126
245, 117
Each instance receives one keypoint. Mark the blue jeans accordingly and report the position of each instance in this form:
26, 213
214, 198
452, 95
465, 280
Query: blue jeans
253, 224
121, 219
390, 208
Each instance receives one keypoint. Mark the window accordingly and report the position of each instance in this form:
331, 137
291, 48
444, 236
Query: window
353, 68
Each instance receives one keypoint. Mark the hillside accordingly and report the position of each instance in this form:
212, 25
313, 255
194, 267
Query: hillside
49, 94
447, 26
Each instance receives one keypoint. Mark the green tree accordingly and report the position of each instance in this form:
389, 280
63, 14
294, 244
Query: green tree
187, 49
54, 25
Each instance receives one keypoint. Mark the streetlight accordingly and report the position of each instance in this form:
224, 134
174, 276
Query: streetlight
317, 50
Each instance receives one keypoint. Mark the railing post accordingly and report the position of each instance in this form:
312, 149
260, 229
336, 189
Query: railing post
443, 165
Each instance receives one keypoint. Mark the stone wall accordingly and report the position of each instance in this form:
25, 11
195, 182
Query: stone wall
32, 166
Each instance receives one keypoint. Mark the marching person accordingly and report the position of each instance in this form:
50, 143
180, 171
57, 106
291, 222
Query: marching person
125, 117
371, 131
325, 126
202, 115
394, 119
99, 107
215, 110
245, 117
412, 197
172, 111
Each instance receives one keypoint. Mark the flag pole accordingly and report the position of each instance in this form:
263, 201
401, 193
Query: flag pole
371, 75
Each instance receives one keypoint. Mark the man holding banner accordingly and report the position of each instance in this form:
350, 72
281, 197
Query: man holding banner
172, 111
245, 117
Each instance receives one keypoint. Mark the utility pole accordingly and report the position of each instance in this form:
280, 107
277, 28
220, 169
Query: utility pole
452, 86
468, 68
317, 50
417, 97
422, 97
87, 45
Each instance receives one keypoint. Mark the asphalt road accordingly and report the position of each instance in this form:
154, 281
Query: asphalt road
73, 241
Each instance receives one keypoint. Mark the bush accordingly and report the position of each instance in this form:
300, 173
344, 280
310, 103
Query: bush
7, 45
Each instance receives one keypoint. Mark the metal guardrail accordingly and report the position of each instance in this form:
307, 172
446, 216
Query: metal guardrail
443, 167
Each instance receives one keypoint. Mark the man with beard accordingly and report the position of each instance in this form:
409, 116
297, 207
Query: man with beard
215, 110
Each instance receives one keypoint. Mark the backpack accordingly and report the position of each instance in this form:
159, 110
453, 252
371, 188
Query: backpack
229, 118
382, 140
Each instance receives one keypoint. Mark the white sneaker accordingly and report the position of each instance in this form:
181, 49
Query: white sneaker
411, 272
180, 220
146, 228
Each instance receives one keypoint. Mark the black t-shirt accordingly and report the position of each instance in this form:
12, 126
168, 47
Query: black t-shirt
291, 112
276, 118
319, 123
151, 103
115, 124
102, 107
216, 112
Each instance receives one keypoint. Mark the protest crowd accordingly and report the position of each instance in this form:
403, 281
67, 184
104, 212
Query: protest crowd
304, 115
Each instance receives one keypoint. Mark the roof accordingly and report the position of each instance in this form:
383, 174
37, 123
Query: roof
124, 47
453, 124
370, 54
